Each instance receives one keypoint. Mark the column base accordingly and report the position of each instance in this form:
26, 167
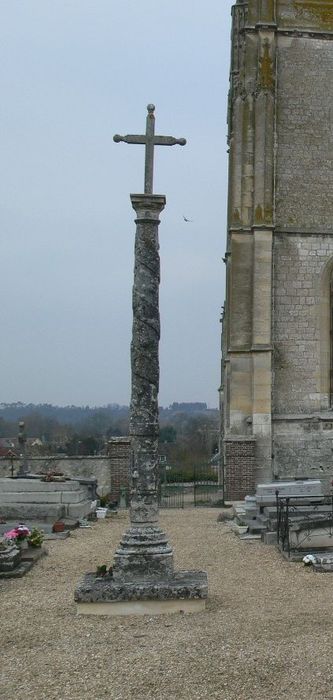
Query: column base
184, 591
143, 553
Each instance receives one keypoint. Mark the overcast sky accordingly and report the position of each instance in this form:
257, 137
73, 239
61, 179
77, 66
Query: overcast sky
73, 73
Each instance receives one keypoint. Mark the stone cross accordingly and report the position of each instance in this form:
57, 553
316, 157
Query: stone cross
22, 439
149, 140
142, 579
144, 550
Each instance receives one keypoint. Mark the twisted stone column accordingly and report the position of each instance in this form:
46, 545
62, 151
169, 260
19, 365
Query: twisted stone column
144, 551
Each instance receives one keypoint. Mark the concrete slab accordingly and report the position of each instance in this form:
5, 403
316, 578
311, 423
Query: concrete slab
146, 607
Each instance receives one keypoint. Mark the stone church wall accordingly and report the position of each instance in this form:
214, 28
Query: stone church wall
302, 430
308, 14
299, 263
303, 447
278, 347
304, 192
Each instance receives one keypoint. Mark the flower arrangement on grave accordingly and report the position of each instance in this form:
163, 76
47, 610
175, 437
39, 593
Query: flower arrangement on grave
18, 533
53, 475
36, 537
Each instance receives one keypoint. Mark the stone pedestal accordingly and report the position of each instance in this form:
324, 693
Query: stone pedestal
182, 591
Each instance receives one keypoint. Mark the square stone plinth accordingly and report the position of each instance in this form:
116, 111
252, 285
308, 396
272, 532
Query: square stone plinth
184, 591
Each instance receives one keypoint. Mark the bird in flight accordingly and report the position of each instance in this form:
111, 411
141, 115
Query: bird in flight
188, 221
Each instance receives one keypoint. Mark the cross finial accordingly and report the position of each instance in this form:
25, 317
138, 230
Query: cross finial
150, 140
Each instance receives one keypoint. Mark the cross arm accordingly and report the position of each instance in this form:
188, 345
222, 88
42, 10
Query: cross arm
142, 139
168, 141
130, 139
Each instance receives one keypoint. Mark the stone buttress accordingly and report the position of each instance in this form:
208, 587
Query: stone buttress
276, 328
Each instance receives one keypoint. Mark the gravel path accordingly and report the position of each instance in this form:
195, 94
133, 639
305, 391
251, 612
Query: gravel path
267, 631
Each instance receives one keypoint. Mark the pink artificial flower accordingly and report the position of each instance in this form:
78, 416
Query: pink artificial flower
10, 535
18, 532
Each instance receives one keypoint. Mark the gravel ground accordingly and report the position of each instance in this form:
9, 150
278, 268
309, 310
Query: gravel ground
266, 633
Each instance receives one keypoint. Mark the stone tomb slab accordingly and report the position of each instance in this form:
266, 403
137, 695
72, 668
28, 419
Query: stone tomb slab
266, 493
34, 499
184, 591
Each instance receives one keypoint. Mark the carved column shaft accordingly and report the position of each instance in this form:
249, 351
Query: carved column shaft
144, 425
144, 552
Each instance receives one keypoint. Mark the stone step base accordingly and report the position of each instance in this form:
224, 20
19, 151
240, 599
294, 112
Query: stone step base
239, 529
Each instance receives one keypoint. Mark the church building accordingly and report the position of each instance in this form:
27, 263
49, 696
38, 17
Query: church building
277, 349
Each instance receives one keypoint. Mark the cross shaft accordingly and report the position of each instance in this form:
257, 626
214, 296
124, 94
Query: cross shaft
149, 140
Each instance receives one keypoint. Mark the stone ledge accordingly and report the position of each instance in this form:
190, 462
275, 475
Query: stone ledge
239, 438
183, 591
35, 484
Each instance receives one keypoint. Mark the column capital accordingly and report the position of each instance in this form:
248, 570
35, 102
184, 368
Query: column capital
148, 206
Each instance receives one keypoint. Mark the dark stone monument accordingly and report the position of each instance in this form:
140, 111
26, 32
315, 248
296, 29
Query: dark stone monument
143, 579
22, 440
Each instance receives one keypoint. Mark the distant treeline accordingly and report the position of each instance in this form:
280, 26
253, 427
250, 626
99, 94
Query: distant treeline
74, 415
188, 432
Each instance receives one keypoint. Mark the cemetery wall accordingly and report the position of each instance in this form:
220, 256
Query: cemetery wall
107, 471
